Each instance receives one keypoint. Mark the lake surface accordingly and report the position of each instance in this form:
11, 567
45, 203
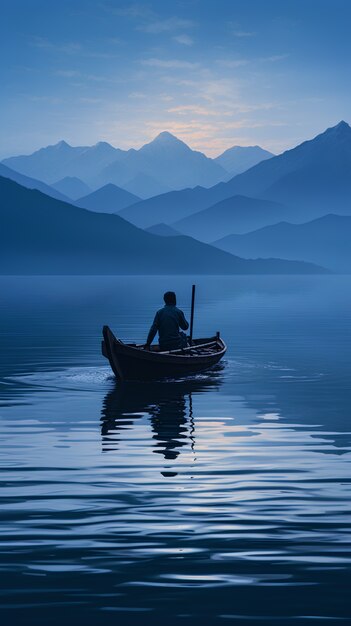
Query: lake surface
224, 498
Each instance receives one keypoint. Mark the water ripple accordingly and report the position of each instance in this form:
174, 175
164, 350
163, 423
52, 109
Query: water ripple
223, 497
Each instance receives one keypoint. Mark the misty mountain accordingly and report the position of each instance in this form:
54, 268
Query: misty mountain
311, 179
31, 183
61, 160
40, 234
169, 207
72, 187
108, 199
325, 241
145, 186
238, 159
166, 161
49, 164
238, 214
163, 230
177, 165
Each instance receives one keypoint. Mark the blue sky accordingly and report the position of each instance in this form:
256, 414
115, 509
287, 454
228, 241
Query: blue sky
215, 73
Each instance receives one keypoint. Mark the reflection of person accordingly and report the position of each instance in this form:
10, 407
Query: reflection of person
167, 323
169, 424
168, 406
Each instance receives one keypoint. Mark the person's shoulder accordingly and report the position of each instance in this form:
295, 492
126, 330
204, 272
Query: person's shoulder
179, 310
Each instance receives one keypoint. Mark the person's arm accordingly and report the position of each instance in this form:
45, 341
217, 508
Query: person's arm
182, 321
153, 330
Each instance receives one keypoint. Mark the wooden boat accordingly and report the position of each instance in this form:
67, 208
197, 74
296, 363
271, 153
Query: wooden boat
130, 361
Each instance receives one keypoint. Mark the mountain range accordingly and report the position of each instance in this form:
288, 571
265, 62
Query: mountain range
53, 163
170, 161
280, 207
325, 241
162, 229
238, 214
31, 183
238, 159
145, 186
309, 181
42, 235
72, 187
163, 165
311, 178
107, 199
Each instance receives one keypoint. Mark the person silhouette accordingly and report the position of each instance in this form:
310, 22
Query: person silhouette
167, 322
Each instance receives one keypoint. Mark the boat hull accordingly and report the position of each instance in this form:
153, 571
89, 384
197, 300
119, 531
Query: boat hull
130, 362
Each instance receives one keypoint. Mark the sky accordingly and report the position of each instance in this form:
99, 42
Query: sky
215, 73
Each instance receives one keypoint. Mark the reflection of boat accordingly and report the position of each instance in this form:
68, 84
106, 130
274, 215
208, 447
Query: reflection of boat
132, 362
168, 405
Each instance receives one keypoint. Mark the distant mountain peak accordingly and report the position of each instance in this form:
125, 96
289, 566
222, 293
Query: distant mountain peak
342, 125
335, 136
109, 187
165, 143
61, 144
69, 179
165, 135
237, 147
237, 159
167, 140
103, 144
340, 129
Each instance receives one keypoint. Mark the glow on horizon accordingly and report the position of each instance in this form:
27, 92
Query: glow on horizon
213, 74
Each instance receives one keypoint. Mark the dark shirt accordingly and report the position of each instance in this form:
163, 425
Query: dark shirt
167, 322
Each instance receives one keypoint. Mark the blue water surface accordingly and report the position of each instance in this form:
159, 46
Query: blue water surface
219, 499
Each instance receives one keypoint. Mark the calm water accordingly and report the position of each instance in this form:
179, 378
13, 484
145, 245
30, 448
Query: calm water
220, 499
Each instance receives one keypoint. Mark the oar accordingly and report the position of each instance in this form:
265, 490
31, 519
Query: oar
192, 314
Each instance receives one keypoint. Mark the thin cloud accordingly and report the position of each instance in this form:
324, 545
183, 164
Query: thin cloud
274, 58
115, 41
133, 11
162, 26
87, 100
137, 95
68, 73
185, 40
238, 31
170, 64
210, 138
243, 33
150, 21
232, 63
222, 96
67, 48
90, 54
45, 99
189, 108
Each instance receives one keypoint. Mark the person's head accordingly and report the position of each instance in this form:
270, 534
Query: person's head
170, 298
